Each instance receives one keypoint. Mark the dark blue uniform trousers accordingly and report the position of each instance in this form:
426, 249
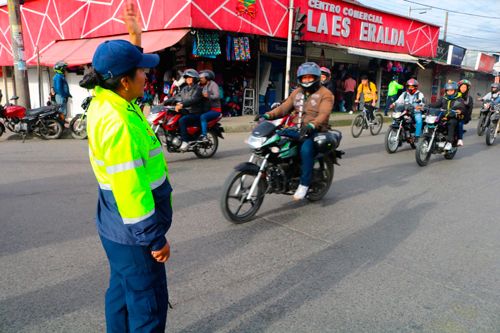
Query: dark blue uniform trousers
137, 297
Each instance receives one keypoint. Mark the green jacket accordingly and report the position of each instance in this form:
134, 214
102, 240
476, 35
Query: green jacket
394, 87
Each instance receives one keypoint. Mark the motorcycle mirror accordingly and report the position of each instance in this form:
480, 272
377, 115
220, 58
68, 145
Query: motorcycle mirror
479, 94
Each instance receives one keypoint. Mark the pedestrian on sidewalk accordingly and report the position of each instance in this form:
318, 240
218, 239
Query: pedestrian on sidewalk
349, 86
134, 209
392, 93
61, 87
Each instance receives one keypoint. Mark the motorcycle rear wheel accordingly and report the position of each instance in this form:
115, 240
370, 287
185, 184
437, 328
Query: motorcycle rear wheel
78, 127
235, 190
51, 129
323, 171
209, 148
391, 140
423, 152
2, 129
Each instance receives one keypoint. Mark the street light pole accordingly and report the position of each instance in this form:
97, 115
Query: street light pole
445, 25
289, 50
20, 69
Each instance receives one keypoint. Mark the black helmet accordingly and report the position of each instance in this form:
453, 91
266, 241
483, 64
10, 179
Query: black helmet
208, 74
191, 73
309, 68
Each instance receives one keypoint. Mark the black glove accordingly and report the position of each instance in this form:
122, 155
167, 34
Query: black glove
306, 130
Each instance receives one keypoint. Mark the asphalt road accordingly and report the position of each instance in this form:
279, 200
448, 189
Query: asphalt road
393, 247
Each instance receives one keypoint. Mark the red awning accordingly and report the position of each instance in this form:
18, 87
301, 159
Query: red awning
80, 51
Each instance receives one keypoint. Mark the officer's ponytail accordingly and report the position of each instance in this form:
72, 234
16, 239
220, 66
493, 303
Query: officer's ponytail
93, 79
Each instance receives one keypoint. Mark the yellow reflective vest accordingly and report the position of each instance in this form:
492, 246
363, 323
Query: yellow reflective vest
127, 159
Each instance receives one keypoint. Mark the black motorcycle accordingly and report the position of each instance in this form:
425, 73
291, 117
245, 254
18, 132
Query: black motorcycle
402, 128
46, 121
274, 167
484, 116
434, 137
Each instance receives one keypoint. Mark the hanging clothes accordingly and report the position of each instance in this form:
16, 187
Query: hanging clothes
206, 44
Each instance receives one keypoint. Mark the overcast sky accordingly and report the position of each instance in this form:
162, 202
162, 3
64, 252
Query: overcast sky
475, 33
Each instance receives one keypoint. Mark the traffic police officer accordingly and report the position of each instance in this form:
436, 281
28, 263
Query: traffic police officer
134, 207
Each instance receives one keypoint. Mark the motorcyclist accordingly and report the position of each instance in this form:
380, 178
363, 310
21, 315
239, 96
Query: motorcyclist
451, 101
189, 101
326, 80
211, 94
313, 104
494, 94
416, 98
464, 87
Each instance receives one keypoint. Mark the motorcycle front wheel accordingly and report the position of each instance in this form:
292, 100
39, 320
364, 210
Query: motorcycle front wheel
491, 134
2, 129
78, 127
480, 124
51, 129
423, 152
322, 179
235, 205
391, 140
207, 148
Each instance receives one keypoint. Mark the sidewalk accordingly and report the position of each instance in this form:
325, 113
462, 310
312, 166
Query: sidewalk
337, 119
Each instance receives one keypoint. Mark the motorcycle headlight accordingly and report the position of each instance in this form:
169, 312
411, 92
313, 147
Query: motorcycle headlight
151, 117
256, 142
430, 119
396, 115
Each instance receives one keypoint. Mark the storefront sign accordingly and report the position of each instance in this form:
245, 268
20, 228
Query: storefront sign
279, 47
455, 55
338, 22
485, 62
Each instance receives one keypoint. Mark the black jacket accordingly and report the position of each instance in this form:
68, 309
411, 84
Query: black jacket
469, 104
191, 98
448, 104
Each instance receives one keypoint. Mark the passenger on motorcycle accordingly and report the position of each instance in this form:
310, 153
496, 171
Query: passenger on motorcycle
464, 87
312, 103
211, 94
416, 98
190, 101
451, 101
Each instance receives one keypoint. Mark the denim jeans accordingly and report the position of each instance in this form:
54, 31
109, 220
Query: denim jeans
418, 125
460, 133
206, 118
64, 104
307, 153
390, 100
185, 121
137, 297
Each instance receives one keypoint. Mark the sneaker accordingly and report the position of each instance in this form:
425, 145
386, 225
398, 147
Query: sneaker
184, 146
350, 112
460, 143
203, 138
301, 192
447, 146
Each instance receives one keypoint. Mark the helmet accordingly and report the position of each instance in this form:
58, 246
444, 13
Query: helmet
494, 87
326, 71
411, 86
208, 74
412, 82
60, 66
451, 85
191, 73
462, 82
309, 68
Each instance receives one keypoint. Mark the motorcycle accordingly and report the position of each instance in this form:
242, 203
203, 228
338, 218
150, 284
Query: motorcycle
78, 125
484, 116
433, 140
402, 128
494, 126
274, 167
164, 121
46, 121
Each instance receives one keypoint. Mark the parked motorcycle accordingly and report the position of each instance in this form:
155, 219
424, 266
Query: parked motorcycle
433, 139
402, 128
165, 123
78, 125
484, 117
46, 121
494, 126
274, 167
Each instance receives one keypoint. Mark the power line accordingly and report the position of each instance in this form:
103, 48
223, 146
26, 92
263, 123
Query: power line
472, 37
453, 11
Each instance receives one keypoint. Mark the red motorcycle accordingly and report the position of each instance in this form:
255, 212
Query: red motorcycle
165, 123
